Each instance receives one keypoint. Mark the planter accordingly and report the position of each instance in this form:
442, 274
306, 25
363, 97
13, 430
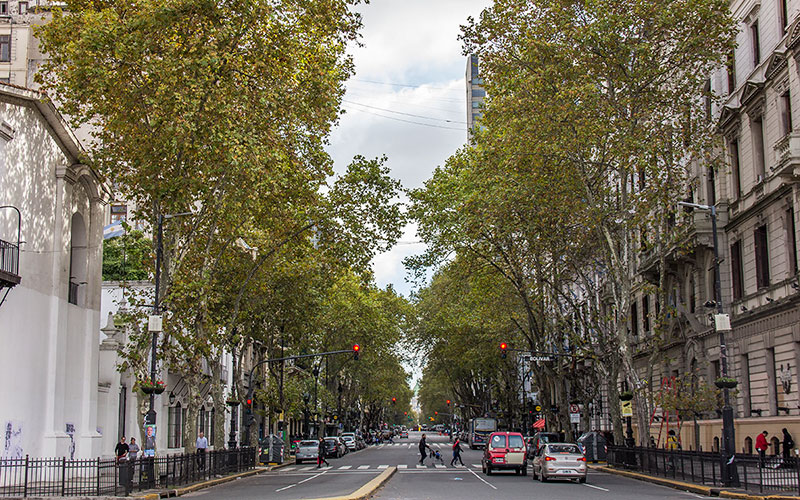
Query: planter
626, 396
152, 390
726, 383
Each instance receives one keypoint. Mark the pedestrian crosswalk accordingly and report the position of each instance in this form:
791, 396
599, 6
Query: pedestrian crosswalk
441, 446
366, 467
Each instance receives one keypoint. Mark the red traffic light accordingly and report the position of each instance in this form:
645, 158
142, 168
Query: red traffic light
503, 346
448, 402
356, 347
436, 413
405, 413
394, 400
249, 402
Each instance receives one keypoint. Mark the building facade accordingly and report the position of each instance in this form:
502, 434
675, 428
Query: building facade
475, 94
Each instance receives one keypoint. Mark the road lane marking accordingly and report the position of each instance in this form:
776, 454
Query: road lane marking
422, 466
402, 466
595, 487
287, 469
301, 482
482, 479
362, 467
440, 466
345, 467
381, 467
477, 466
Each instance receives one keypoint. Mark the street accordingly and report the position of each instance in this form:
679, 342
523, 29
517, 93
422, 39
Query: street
431, 481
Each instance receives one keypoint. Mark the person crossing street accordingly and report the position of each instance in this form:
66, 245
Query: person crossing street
423, 450
321, 455
457, 453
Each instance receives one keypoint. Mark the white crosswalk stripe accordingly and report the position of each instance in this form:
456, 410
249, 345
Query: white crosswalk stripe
402, 466
422, 466
477, 466
287, 469
440, 466
363, 467
308, 468
381, 467
345, 467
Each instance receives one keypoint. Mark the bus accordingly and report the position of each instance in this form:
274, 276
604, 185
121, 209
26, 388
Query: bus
479, 431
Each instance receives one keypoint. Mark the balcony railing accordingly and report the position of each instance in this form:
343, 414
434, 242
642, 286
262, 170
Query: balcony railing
9, 264
787, 155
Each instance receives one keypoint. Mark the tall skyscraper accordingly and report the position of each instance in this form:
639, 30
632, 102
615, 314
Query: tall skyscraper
475, 94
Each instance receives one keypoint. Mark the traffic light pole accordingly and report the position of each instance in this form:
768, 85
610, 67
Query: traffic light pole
250, 389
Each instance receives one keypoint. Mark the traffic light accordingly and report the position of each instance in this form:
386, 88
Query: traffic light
249, 418
249, 403
405, 413
503, 348
448, 403
394, 400
436, 413
356, 348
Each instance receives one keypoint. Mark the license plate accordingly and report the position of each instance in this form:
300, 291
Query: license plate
566, 471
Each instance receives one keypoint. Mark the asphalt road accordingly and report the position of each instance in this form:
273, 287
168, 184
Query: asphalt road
431, 481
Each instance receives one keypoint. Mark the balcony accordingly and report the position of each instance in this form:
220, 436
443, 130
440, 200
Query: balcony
787, 157
9, 264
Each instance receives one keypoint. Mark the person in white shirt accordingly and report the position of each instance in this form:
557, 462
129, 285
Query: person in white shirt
201, 444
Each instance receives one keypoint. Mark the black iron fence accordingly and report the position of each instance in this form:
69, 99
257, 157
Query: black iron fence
772, 474
27, 476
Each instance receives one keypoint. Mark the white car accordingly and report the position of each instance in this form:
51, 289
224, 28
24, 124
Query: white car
559, 461
307, 450
349, 441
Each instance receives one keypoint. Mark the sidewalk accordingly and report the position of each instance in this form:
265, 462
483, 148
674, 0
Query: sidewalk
694, 488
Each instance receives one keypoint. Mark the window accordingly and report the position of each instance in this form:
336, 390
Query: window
783, 14
762, 256
202, 420
646, 313
791, 241
498, 441
756, 43
3, 8
634, 319
78, 258
757, 134
736, 270
23, 7
174, 427
707, 99
785, 104
733, 150
5, 48
731, 67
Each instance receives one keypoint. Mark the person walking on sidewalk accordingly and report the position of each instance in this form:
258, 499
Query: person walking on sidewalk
423, 450
133, 449
457, 453
321, 455
121, 450
201, 444
788, 445
761, 447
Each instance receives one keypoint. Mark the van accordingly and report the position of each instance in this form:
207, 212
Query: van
505, 451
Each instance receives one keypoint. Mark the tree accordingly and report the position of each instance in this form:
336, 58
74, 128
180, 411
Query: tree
127, 257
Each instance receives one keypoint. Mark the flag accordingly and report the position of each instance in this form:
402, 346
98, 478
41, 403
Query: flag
539, 424
113, 229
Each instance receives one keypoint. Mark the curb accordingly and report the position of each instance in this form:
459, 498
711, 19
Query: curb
199, 486
368, 489
694, 488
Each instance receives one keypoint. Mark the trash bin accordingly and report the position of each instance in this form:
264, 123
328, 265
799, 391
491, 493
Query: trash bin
272, 449
594, 446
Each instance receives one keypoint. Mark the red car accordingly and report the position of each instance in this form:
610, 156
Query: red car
505, 451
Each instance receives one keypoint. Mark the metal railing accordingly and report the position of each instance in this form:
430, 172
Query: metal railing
9, 258
24, 477
772, 474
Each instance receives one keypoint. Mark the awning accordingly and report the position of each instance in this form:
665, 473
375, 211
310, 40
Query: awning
539, 424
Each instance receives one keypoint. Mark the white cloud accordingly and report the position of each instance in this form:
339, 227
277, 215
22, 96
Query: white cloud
415, 43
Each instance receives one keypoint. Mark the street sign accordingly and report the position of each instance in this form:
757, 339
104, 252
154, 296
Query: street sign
574, 418
154, 323
538, 408
627, 408
541, 358
574, 408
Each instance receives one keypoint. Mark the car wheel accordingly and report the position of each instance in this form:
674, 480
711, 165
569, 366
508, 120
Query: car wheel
582, 480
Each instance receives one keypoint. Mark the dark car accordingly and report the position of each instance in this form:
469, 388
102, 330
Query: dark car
539, 439
332, 448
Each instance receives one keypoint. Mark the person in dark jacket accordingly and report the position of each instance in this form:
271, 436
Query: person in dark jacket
423, 447
788, 444
321, 455
457, 453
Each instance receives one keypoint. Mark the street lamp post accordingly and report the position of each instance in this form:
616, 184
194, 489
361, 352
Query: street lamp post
730, 475
155, 325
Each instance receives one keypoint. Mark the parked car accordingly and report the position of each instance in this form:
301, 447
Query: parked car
404, 434
307, 450
505, 451
333, 447
559, 461
343, 444
349, 442
539, 439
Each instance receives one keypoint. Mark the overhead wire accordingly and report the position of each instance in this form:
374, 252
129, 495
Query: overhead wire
404, 114
408, 121
405, 85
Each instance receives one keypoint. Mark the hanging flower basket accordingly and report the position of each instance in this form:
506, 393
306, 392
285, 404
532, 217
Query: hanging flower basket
726, 383
626, 396
148, 387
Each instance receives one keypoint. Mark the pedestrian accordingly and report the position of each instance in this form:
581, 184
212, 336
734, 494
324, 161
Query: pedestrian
121, 450
201, 444
672, 441
321, 454
133, 449
788, 445
761, 447
423, 447
457, 453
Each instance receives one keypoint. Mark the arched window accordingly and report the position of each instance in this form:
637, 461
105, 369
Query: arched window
715, 448
776, 446
77, 258
748, 445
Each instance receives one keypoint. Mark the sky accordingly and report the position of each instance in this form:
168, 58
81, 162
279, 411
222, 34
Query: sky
407, 100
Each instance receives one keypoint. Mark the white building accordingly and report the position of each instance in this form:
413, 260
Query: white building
50, 322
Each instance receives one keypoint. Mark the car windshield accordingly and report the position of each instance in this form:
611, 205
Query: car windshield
564, 448
347, 438
309, 443
515, 442
498, 441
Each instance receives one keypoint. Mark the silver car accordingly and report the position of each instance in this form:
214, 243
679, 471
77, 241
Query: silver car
350, 442
559, 461
307, 450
